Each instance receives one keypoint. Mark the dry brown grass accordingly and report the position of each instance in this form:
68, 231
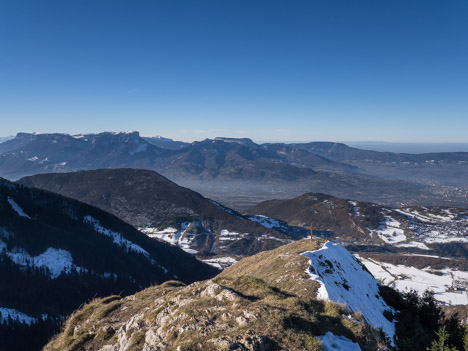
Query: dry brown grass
283, 268
272, 302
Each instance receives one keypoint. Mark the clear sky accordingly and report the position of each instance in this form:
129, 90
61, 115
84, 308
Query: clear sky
393, 70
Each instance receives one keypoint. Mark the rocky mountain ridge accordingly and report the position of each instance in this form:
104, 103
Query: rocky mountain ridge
284, 299
234, 311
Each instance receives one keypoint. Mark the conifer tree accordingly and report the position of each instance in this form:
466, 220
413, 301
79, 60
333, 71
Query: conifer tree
441, 343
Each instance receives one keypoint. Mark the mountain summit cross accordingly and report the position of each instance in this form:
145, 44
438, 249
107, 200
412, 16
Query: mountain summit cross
312, 231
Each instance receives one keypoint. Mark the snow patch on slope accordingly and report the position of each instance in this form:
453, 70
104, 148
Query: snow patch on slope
17, 208
266, 222
221, 262
16, 316
182, 238
226, 235
56, 260
356, 208
344, 280
117, 238
331, 342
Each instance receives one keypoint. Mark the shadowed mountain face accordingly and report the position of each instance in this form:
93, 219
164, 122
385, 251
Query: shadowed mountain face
166, 143
140, 197
344, 218
232, 159
20, 140
56, 253
165, 210
41, 153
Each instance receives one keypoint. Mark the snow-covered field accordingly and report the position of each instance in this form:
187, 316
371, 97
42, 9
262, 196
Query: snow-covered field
390, 231
450, 225
418, 226
343, 280
405, 278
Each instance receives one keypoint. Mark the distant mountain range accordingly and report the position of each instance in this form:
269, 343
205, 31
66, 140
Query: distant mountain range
57, 253
240, 173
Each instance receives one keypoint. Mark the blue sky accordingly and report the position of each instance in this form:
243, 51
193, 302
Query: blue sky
268, 70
